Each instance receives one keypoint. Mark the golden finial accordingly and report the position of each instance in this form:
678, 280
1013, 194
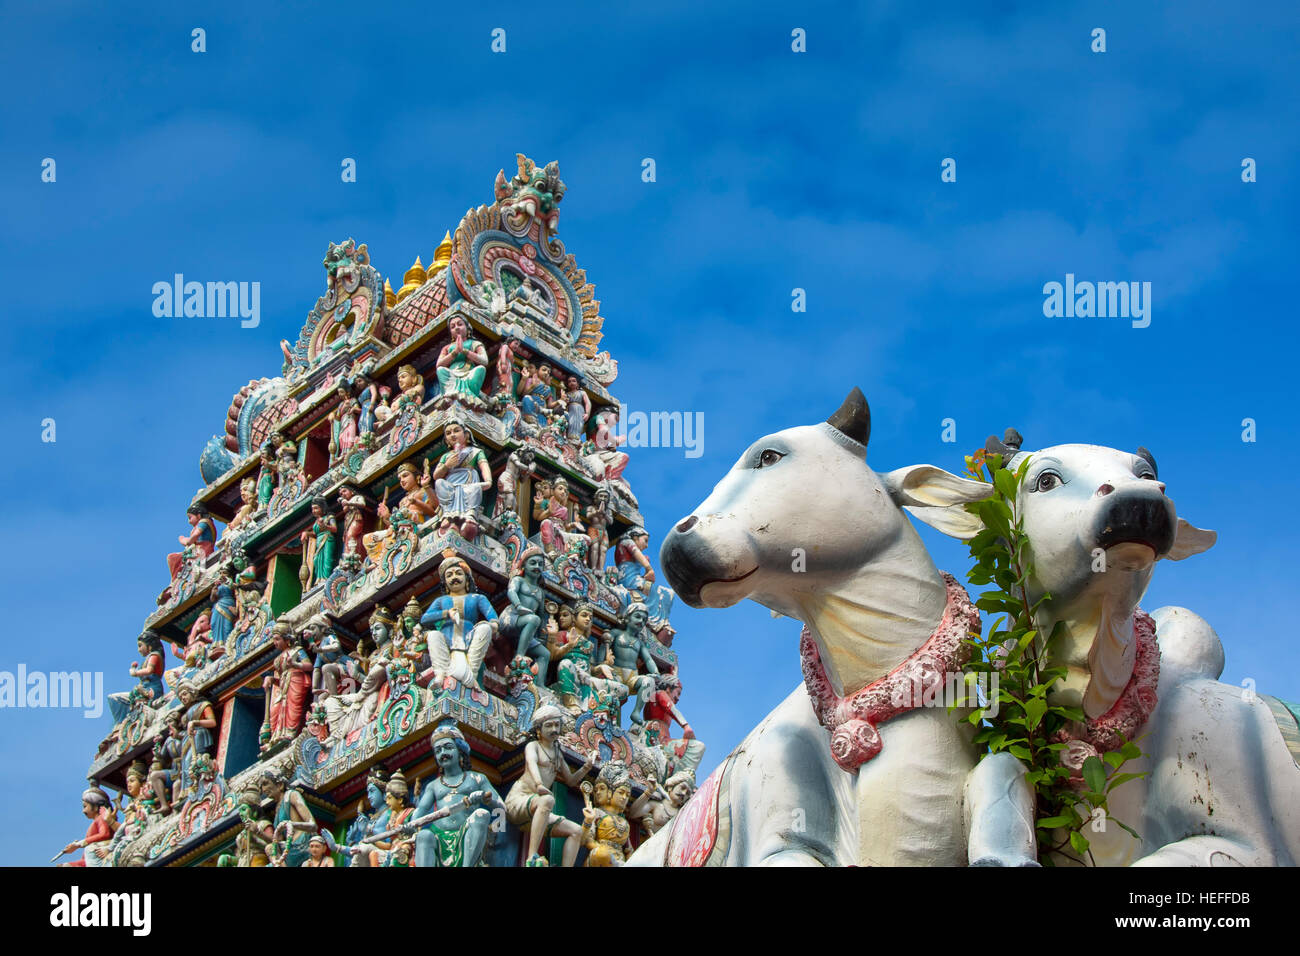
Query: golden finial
441, 255
390, 298
413, 279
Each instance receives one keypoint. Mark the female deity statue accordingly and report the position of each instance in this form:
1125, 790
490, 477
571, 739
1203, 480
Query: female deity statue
579, 409
288, 686
460, 479
367, 402
320, 546
201, 540
225, 608
371, 815
506, 369
343, 425
530, 804
138, 807
248, 507
98, 809
200, 720
417, 503
553, 513
410, 384
575, 682
605, 831
462, 363
354, 525
464, 624
149, 673
266, 475
525, 619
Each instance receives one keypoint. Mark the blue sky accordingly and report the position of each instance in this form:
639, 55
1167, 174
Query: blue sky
775, 170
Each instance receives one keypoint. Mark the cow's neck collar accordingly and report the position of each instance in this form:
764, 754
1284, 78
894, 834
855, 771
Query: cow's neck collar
865, 626
852, 719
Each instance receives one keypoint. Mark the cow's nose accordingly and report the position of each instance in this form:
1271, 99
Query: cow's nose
686, 524
1105, 490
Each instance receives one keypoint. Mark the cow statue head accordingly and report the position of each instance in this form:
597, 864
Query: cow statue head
802, 525
1097, 520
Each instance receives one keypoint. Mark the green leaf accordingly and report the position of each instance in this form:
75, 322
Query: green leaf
1079, 842
1094, 775
1052, 823
1035, 707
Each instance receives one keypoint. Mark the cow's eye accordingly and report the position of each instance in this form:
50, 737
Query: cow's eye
1149, 475
1047, 480
768, 457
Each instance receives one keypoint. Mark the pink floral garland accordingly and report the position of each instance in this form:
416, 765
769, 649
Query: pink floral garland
852, 720
1127, 715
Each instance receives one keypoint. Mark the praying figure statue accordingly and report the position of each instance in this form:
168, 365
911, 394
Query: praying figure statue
462, 363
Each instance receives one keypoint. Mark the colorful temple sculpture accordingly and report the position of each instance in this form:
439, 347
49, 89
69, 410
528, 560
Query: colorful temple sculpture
411, 621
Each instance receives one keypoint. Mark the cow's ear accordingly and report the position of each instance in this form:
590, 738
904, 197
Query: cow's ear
937, 497
1190, 540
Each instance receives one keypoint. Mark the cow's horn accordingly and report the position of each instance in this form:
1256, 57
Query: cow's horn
1144, 452
1007, 447
853, 418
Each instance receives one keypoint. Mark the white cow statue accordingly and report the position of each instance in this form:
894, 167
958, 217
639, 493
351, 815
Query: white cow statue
841, 773
1224, 780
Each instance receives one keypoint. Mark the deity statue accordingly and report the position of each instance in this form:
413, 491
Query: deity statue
150, 675
462, 363
636, 574
466, 623
319, 545
459, 838
388, 665
343, 425
201, 540
530, 803
334, 668
417, 504
254, 832
200, 720
459, 480
164, 773
368, 399
539, 399
525, 619
248, 505
599, 515
286, 463
606, 459
666, 803
293, 824
578, 406
518, 466
138, 804
381, 842
660, 712
410, 384
605, 831
628, 647
553, 513
98, 809
225, 608
372, 815
575, 682
288, 686
354, 525
266, 474
318, 852
505, 387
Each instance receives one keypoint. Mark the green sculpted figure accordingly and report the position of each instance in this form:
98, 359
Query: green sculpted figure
459, 837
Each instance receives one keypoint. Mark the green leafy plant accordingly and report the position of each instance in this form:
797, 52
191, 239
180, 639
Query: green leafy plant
1010, 659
